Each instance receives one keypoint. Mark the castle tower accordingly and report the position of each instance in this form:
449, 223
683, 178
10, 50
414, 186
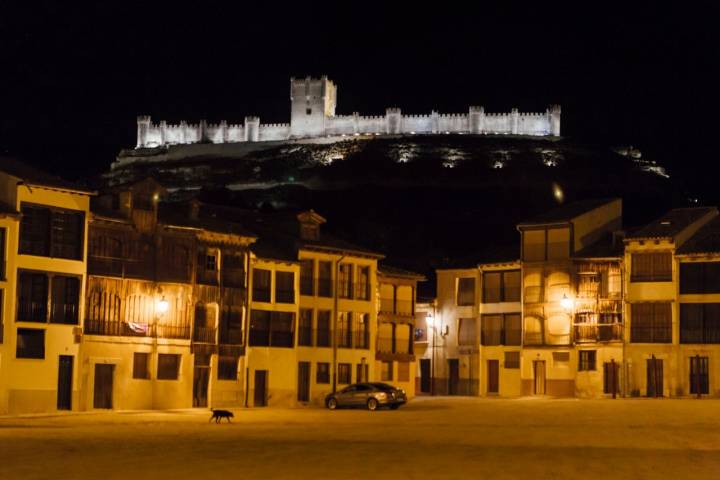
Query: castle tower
393, 121
476, 116
143, 125
311, 101
555, 120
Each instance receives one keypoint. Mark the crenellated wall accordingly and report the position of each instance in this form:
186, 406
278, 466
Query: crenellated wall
313, 115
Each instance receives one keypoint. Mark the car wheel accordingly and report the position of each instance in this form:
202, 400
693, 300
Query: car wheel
372, 404
332, 403
394, 407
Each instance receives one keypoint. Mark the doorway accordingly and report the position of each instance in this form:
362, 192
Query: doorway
103, 390
453, 376
539, 372
699, 379
493, 376
654, 377
260, 397
303, 382
201, 379
611, 382
425, 375
65, 375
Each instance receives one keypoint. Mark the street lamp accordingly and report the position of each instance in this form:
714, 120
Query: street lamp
162, 305
566, 302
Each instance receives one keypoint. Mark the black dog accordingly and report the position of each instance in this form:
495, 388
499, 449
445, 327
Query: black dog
220, 414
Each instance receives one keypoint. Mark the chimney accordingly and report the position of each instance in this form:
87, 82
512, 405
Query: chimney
310, 225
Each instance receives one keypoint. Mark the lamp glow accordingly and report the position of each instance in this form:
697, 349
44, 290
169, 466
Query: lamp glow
566, 302
162, 305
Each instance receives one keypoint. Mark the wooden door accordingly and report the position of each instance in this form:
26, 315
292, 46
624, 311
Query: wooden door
493, 376
201, 380
103, 391
425, 378
539, 370
699, 379
610, 378
453, 376
65, 375
260, 388
654, 377
303, 394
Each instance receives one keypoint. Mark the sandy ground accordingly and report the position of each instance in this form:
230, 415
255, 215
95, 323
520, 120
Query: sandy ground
429, 438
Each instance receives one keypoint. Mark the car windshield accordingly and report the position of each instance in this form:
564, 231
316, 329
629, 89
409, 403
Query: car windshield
383, 386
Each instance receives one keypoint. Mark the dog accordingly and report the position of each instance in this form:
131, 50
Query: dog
220, 414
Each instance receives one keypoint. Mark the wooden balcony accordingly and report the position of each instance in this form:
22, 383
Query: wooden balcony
590, 333
204, 334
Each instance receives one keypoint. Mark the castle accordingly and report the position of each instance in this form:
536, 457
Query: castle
312, 115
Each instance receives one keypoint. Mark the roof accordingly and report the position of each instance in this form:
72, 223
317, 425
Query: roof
705, 240
33, 176
568, 212
672, 223
178, 214
391, 271
608, 246
7, 210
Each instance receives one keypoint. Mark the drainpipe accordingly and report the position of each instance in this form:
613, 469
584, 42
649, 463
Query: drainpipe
335, 321
247, 331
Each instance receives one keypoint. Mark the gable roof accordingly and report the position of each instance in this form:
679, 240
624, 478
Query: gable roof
567, 212
672, 223
705, 240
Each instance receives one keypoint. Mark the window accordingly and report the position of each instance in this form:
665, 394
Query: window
386, 371
322, 374
309, 231
700, 323
325, 288
305, 327
546, 244
651, 267
32, 297
323, 328
2, 253
344, 333
30, 343
233, 270
141, 366
586, 360
361, 372
231, 332
51, 232
168, 366
2, 326
403, 371
344, 373
501, 286
308, 111
345, 279
533, 248
211, 262
362, 330
271, 329
512, 359
363, 283
284, 287
307, 282
492, 330
65, 300
227, 367
558, 243
561, 359
699, 377
650, 322
261, 285
700, 277
467, 332
513, 328
466, 291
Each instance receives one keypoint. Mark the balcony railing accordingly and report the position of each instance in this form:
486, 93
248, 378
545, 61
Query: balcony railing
533, 338
402, 308
204, 334
344, 339
32, 311
497, 295
207, 277
231, 337
284, 296
598, 332
66, 313
362, 339
362, 291
118, 329
346, 290
173, 331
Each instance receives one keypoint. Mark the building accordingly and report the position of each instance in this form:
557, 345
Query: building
43, 239
312, 115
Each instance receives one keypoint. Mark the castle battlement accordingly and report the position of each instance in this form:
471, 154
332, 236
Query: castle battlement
312, 115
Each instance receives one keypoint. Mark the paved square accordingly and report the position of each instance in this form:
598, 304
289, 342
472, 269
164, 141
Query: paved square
429, 438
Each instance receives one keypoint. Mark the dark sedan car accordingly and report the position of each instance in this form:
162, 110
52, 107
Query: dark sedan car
369, 395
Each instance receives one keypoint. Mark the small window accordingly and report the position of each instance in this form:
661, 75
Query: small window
512, 359
211, 263
227, 367
30, 343
561, 359
284, 287
261, 285
322, 374
386, 374
344, 373
141, 364
168, 366
308, 111
587, 360
466, 291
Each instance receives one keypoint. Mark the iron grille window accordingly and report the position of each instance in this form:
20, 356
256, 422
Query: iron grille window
261, 285
2, 253
700, 323
699, 377
322, 374
651, 323
345, 279
700, 277
466, 291
51, 232
324, 286
305, 327
32, 297
323, 328
65, 300
307, 280
30, 343
586, 360
141, 366
651, 267
362, 330
284, 287
344, 333
363, 283
168, 366
271, 329
227, 367
344, 373
512, 360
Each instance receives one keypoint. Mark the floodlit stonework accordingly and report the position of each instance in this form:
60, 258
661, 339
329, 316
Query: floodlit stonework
312, 115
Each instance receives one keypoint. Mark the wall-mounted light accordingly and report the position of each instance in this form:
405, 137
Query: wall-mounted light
162, 305
566, 302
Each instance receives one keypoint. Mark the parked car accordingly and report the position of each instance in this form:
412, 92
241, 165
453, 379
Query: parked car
369, 395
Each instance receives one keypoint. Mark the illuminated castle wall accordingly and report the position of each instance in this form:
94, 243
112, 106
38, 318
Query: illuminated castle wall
312, 114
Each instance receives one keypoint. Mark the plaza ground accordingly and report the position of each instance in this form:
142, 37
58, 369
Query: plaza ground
429, 438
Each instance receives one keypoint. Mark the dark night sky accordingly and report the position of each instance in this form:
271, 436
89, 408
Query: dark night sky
75, 77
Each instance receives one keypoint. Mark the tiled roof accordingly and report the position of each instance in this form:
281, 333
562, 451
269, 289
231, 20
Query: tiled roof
672, 223
606, 247
398, 272
567, 212
705, 240
34, 176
